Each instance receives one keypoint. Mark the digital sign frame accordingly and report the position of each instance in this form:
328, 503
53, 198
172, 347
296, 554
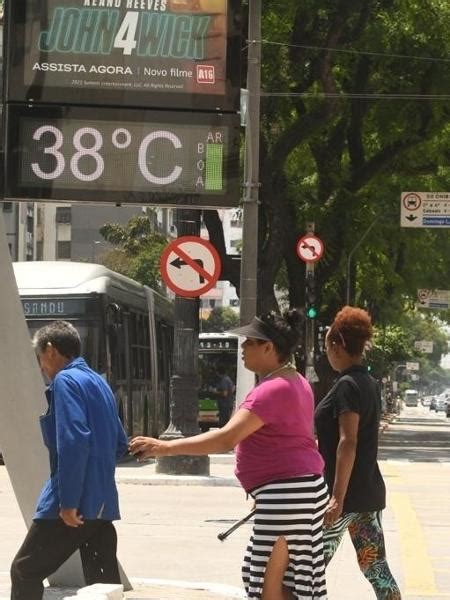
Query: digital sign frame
123, 156
180, 54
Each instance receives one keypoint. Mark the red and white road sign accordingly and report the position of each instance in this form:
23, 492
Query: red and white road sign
411, 201
310, 248
190, 266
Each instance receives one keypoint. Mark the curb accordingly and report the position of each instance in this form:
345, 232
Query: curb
179, 480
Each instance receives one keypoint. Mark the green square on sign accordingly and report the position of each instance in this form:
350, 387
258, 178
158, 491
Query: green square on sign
214, 167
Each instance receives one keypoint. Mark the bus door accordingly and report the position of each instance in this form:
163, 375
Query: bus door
118, 324
164, 347
153, 400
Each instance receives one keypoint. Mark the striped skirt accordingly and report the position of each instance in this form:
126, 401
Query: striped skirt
293, 509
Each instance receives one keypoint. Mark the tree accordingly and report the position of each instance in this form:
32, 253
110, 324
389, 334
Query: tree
395, 344
221, 318
137, 251
354, 111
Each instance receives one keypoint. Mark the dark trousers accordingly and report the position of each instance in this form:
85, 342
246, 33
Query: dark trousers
49, 543
225, 407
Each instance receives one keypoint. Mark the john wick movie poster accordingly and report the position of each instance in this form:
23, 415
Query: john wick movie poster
146, 53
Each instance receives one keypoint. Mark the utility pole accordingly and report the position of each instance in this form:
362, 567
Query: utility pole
184, 382
310, 315
249, 263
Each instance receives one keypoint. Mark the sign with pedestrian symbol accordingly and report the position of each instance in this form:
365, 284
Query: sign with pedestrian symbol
310, 248
190, 266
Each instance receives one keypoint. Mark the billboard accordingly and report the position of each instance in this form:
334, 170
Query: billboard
145, 53
134, 156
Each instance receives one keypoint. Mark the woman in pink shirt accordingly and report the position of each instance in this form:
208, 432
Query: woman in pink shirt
277, 462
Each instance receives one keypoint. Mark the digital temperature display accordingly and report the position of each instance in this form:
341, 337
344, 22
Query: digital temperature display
122, 156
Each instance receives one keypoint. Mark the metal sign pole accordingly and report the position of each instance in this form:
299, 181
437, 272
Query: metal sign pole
249, 264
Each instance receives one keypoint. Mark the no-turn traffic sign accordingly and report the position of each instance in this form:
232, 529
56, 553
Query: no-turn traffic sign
190, 266
310, 248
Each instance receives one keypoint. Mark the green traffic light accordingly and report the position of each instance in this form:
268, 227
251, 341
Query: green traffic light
311, 313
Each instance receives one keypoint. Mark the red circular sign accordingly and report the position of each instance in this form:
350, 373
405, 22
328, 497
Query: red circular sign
412, 201
310, 248
190, 266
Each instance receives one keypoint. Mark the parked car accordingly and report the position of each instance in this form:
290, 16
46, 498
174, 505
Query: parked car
441, 403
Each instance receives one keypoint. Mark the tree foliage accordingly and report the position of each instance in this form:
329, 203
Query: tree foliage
137, 251
221, 318
354, 110
395, 344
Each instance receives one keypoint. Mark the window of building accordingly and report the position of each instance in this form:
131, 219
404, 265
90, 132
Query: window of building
63, 250
63, 214
7, 206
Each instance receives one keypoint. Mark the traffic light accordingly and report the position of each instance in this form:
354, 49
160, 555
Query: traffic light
311, 312
310, 296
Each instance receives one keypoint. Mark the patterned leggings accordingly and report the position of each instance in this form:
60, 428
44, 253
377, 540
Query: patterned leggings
366, 533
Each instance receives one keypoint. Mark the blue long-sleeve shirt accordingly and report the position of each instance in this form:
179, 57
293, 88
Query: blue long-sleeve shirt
84, 437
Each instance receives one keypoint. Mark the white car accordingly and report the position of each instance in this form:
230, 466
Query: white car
426, 400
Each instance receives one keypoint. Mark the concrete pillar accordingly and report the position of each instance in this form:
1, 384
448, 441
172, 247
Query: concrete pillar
22, 401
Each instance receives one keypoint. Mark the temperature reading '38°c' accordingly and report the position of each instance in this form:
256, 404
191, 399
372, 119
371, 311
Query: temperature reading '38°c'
190, 158
88, 143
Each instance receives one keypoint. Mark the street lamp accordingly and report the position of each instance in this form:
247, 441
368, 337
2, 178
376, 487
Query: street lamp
350, 255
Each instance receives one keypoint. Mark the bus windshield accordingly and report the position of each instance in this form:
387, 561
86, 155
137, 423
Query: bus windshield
411, 397
89, 334
217, 354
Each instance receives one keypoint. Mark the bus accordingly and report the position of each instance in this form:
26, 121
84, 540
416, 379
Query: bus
126, 332
411, 397
215, 350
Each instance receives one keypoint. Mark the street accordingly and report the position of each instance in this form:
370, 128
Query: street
169, 532
415, 458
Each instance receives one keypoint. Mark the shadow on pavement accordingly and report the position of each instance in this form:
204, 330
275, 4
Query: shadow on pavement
416, 439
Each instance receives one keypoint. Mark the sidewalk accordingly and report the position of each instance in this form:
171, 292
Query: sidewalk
161, 517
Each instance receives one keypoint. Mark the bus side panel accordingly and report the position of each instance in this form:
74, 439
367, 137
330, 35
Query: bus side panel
164, 353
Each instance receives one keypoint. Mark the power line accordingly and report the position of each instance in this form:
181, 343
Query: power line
362, 96
360, 52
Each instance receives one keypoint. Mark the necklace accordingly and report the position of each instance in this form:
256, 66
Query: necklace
288, 365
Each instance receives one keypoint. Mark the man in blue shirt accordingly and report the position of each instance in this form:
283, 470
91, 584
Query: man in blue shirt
225, 396
79, 501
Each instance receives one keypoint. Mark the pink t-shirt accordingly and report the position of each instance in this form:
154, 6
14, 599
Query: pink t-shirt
284, 447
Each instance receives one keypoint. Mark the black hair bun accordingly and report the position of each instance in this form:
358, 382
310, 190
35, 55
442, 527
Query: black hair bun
293, 318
